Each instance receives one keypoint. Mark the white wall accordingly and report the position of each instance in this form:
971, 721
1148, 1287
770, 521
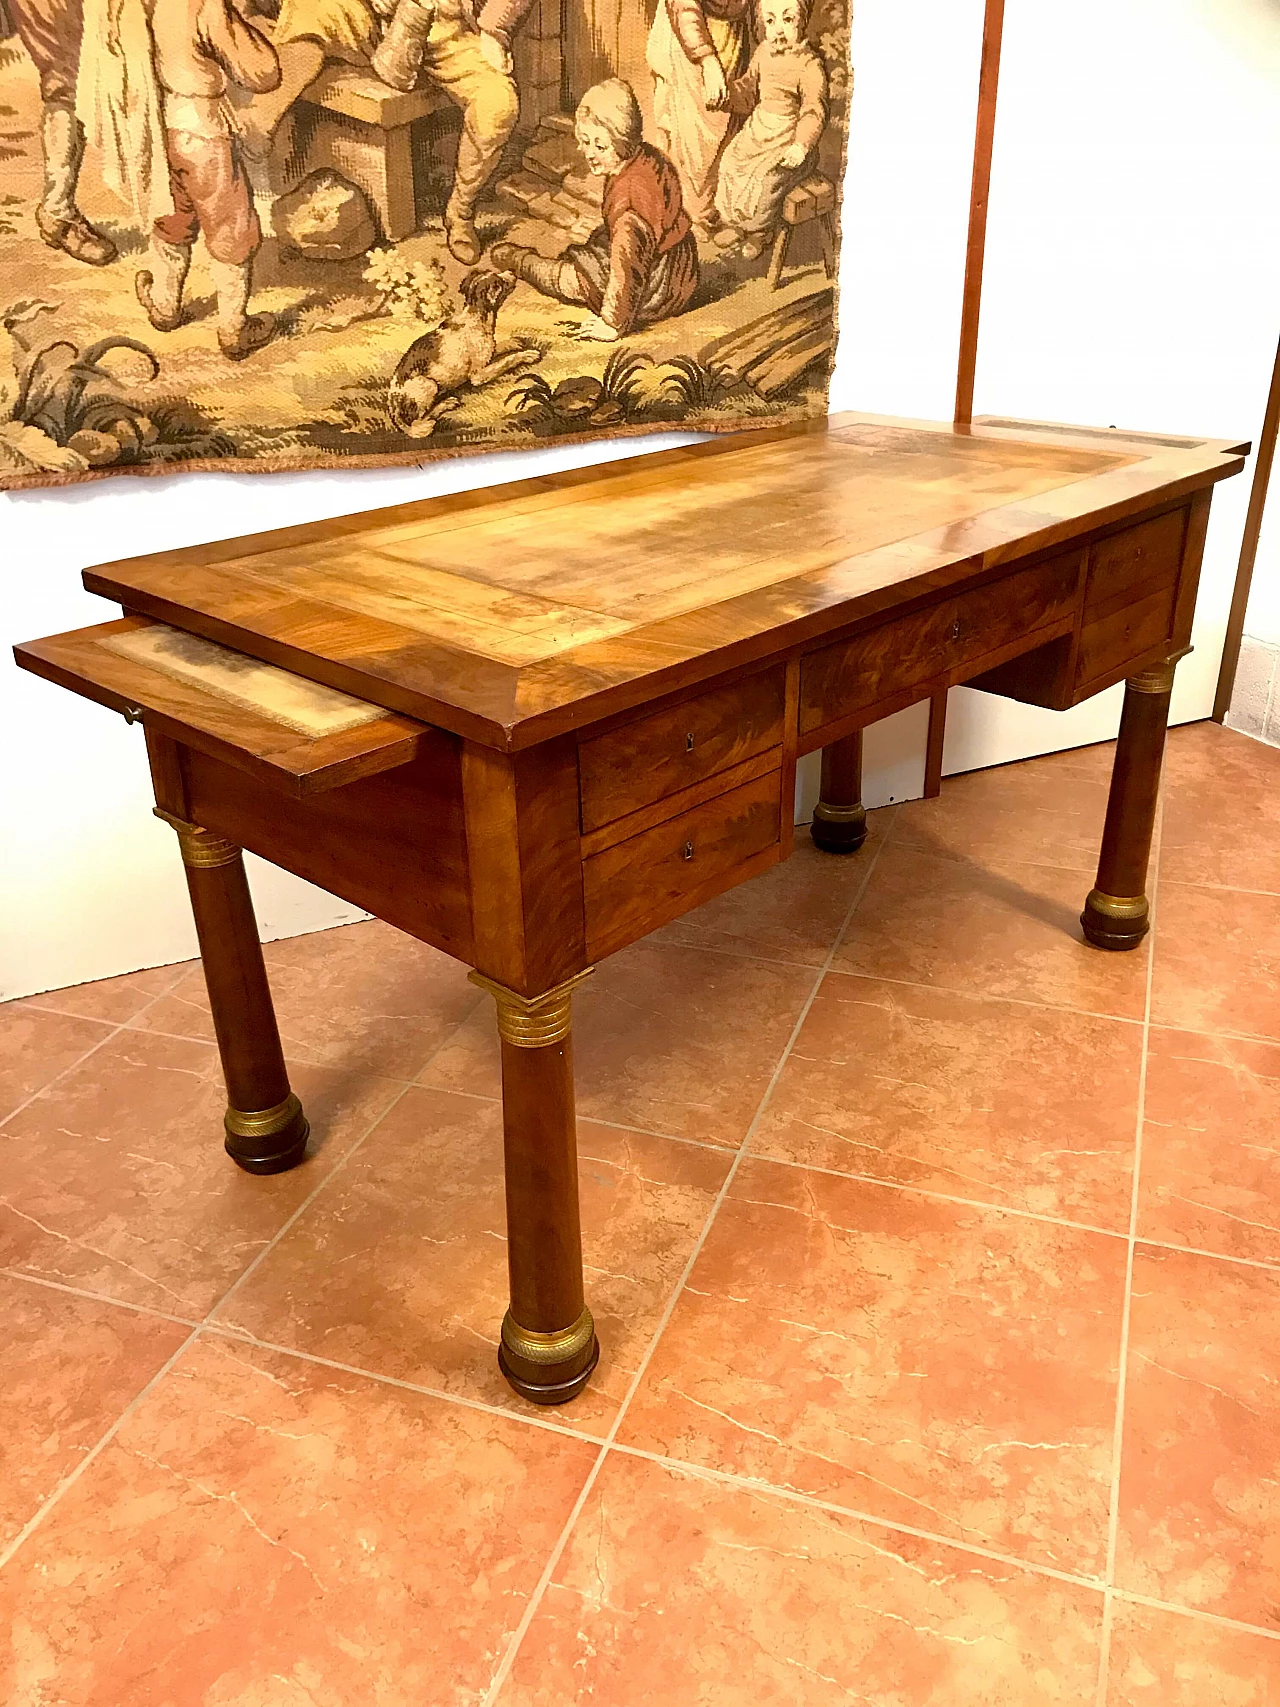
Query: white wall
1132, 279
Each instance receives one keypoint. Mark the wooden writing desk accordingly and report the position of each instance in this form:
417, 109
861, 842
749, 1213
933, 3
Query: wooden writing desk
537, 722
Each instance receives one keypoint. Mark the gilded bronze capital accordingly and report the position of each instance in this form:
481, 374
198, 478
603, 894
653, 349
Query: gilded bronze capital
1159, 678
533, 1022
201, 849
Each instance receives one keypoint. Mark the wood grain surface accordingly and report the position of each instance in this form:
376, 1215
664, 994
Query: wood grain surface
526, 611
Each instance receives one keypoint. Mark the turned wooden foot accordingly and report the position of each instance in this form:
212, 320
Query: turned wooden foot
840, 819
265, 1126
548, 1347
1116, 913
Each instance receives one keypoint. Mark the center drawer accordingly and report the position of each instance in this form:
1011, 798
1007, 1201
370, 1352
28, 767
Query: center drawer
651, 757
936, 642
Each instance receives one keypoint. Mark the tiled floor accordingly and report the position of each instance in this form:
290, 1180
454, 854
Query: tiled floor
936, 1259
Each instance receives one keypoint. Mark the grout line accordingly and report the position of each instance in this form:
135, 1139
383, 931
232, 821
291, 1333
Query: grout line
39, 1516
943, 1196
671, 1137
753, 1486
981, 857
1218, 1618
95, 1451
99, 1297
112, 1033
981, 996
794, 1496
1213, 1256
594, 1120
241, 1336
1126, 1315
1104, 1647
44, 999
544, 1582
737, 954
320, 1186
1226, 888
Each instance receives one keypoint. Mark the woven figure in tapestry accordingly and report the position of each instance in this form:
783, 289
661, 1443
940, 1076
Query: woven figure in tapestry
641, 264
200, 47
784, 92
51, 32
465, 51
696, 49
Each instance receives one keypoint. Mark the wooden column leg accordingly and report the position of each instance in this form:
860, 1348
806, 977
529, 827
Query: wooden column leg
266, 1128
936, 743
1116, 913
548, 1347
840, 819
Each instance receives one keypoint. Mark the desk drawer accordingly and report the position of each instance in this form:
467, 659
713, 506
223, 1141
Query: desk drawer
1126, 568
1125, 636
651, 757
294, 734
931, 644
649, 879
1131, 595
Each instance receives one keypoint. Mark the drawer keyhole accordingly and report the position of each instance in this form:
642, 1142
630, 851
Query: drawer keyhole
688, 742
955, 629
688, 850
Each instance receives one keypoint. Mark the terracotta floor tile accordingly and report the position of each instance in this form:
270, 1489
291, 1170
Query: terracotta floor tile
115, 999
1165, 1659
400, 1267
1211, 1145
1217, 961
993, 928
1031, 1108
36, 1046
675, 1588
365, 997
264, 1531
1038, 812
947, 1367
116, 1179
791, 913
667, 1039
1199, 1494
1221, 809
70, 1367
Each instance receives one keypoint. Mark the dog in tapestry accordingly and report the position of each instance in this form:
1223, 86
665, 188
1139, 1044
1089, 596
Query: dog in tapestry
463, 351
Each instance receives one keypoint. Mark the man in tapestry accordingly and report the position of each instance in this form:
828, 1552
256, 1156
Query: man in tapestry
50, 30
467, 54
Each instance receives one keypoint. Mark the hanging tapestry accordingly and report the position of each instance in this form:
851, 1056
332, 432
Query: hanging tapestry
284, 234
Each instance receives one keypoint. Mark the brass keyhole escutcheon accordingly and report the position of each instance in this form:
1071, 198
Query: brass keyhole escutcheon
955, 629
688, 850
688, 742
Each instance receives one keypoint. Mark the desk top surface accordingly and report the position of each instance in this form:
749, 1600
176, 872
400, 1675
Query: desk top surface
516, 612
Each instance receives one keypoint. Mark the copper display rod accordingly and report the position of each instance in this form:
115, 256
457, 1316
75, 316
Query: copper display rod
1249, 548
988, 87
